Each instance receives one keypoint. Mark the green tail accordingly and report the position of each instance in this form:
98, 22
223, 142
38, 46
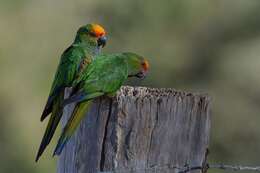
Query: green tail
52, 125
74, 121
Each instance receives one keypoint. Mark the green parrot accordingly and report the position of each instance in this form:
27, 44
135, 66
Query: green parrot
88, 42
104, 76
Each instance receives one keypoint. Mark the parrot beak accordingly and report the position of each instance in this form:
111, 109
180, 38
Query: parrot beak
102, 41
141, 74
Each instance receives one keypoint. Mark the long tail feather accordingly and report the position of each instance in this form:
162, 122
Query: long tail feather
47, 109
49, 105
74, 121
51, 127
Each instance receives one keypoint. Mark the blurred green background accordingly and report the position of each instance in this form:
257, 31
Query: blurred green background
199, 46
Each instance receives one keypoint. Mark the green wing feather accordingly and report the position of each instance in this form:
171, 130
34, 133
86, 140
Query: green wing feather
103, 76
67, 70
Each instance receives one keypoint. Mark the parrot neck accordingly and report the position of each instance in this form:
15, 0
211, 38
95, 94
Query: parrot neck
90, 50
90, 47
132, 62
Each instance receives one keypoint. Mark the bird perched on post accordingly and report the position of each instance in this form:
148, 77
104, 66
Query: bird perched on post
104, 76
88, 42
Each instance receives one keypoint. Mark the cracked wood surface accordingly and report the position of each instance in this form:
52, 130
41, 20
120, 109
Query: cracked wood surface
140, 128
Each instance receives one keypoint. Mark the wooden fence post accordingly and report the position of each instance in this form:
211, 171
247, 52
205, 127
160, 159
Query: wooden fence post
141, 129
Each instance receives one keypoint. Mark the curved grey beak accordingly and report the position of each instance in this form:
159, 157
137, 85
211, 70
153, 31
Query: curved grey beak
141, 75
102, 41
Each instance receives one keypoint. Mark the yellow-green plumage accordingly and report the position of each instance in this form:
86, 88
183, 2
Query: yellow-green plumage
72, 63
105, 75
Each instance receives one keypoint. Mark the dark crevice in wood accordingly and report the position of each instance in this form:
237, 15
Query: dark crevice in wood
102, 158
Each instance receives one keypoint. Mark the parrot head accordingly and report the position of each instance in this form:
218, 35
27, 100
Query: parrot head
93, 34
138, 66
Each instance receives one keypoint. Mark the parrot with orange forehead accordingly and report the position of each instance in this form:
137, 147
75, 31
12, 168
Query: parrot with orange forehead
104, 76
89, 40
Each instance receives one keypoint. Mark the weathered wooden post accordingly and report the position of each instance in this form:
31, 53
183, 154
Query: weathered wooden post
141, 130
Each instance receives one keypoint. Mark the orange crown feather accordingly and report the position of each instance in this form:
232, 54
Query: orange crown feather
98, 30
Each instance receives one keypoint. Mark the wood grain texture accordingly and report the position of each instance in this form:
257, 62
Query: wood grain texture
141, 128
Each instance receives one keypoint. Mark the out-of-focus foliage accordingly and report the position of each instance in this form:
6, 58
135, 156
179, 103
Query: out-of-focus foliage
201, 46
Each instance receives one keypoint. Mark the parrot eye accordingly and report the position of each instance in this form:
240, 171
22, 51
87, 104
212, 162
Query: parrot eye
92, 34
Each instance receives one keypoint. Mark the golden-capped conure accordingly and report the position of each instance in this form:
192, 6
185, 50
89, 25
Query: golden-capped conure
88, 42
104, 76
